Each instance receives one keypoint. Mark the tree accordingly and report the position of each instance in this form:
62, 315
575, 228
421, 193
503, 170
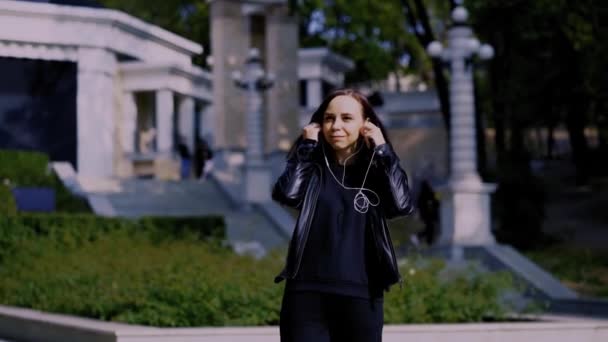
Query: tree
420, 24
371, 33
187, 18
547, 70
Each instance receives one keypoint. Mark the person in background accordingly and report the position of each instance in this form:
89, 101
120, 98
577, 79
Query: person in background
428, 210
185, 159
202, 158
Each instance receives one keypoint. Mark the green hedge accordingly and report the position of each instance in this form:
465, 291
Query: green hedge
7, 202
432, 295
71, 231
28, 168
25, 168
152, 272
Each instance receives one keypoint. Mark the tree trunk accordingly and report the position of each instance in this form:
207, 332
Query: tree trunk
575, 123
418, 17
480, 135
498, 110
519, 153
550, 140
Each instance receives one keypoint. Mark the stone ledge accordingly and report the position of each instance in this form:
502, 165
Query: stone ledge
30, 325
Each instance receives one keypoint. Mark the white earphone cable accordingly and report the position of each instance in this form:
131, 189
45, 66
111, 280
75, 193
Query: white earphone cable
361, 202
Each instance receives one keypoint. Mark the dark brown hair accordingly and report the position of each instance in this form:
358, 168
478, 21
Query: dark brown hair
368, 113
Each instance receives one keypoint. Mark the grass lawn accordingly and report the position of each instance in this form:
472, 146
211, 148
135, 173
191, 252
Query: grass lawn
583, 270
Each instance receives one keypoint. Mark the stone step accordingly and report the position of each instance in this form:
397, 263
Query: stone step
247, 230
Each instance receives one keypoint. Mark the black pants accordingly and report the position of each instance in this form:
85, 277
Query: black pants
324, 317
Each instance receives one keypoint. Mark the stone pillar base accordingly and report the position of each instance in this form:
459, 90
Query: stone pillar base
166, 169
257, 184
125, 168
465, 213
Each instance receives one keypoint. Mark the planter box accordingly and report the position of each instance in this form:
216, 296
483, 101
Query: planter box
37, 199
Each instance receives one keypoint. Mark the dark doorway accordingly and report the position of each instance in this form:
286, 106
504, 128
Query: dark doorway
38, 107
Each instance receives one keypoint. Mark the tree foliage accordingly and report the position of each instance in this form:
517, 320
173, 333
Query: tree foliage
372, 33
187, 18
549, 68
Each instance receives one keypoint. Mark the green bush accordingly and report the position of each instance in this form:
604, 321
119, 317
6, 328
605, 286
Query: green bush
68, 231
427, 297
7, 202
27, 168
148, 272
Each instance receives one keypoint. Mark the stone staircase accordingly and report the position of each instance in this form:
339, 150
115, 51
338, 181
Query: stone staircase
248, 230
167, 198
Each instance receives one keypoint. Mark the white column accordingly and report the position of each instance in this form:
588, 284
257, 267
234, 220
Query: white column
465, 206
95, 112
314, 93
129, 122
164, 121
186, 120
255, 129
465, 214
281, 110
463, 144
206, 122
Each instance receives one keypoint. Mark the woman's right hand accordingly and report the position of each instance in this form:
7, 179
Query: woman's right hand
311, 131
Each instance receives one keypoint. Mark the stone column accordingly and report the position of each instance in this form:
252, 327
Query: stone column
129, 123
164, 122
230, 41
314, 93
206, 122
282, 100
186, 120
463, 145
254, 81
165, 167
127, 132
95, 112
465, 206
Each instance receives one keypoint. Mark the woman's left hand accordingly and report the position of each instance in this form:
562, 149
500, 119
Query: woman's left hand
373, 132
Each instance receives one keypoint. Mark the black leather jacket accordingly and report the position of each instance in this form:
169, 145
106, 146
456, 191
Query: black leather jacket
298, 187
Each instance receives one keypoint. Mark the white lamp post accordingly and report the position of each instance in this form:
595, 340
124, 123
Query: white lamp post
254, 80
465, 205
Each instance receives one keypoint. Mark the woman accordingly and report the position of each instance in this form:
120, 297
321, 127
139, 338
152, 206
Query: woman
345, 179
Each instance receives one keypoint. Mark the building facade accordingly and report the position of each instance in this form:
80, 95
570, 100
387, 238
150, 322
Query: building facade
114, 95
99, 88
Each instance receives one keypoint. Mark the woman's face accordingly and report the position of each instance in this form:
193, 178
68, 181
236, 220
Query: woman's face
342, 122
